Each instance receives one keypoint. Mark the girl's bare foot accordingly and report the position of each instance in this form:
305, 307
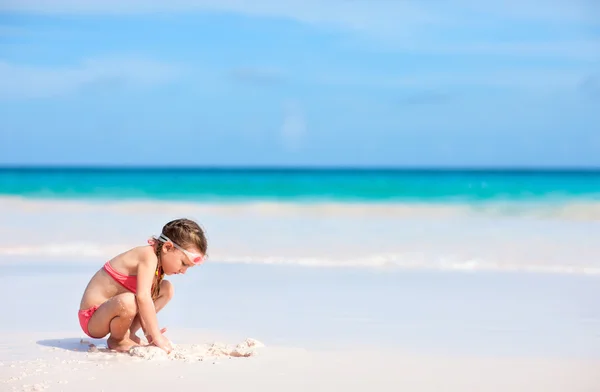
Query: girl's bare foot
120, 345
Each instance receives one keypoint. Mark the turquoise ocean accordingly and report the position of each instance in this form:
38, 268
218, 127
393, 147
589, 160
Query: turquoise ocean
303, 185
500, 220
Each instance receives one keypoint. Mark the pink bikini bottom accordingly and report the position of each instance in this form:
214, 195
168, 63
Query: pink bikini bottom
84, 318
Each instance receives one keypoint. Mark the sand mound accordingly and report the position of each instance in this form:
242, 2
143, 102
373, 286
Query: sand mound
198, 352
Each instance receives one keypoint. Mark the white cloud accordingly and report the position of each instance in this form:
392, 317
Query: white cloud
547, 11
293, 128
258, 76
350, 13
382, 17
579, 49
590, 86
522, 79
406, 25
538, 79
8, 31
572, 50
23, 81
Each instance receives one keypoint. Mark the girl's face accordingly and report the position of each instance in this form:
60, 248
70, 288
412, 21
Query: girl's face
174, 261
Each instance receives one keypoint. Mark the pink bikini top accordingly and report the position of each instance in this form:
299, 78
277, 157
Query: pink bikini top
127, 281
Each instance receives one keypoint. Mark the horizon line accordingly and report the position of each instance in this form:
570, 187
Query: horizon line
92, 167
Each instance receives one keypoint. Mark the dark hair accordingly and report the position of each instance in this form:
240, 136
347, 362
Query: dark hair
184, 232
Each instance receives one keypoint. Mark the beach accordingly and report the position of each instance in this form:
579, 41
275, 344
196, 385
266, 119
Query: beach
336, 294
419, 331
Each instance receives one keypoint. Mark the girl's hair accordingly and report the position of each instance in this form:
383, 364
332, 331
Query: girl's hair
185, 233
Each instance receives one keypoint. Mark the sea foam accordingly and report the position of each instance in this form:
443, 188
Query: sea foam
539, 238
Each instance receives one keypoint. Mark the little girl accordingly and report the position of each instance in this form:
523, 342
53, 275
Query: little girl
128, 291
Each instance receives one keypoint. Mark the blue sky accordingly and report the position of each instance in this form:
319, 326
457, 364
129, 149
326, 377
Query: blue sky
300, 82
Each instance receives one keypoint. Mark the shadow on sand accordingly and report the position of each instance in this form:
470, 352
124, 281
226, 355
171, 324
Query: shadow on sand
75, 344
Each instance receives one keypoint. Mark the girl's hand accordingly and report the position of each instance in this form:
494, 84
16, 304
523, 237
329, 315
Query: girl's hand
149, 337
163, 343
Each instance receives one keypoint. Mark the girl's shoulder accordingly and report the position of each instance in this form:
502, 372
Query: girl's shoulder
144, 253
135, 256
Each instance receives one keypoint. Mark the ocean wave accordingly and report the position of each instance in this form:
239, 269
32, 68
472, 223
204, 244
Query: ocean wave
399, 262
92, 253
484, 237
576, 210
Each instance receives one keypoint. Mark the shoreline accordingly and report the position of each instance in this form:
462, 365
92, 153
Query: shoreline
584, 210
13, 262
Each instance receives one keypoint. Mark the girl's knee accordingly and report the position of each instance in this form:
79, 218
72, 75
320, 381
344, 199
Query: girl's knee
167, 289
127, 305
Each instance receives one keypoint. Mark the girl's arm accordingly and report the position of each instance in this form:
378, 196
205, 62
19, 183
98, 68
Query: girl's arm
145, 276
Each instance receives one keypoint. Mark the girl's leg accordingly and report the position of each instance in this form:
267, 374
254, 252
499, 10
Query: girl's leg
166, 293
115, 317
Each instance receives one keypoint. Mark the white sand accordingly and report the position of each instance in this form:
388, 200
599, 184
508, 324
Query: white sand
70, 365
323, 330
195, 352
